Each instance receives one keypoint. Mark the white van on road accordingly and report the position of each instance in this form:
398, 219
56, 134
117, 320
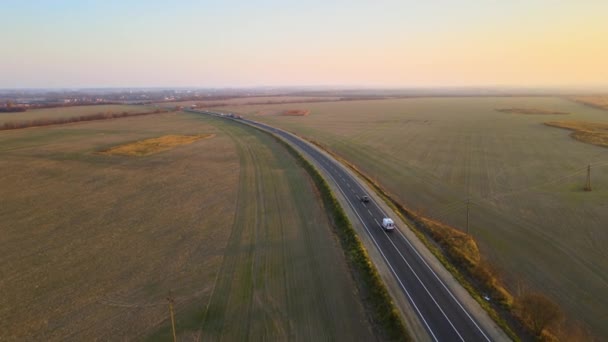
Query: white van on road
388, 224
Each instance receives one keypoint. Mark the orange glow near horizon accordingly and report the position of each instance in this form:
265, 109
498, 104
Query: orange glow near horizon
393, 44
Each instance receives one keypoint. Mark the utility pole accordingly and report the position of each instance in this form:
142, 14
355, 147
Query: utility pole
588, 183
468, 203
171, 301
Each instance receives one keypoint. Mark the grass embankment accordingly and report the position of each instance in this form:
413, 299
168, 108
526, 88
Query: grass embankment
65, 120
154, 145
460, 255
376, 297
531, 111
595, 133
463, 251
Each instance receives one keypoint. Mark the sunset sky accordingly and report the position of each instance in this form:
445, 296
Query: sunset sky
272, 43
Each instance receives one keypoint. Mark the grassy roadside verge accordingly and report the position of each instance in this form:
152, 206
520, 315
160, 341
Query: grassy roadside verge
377, 301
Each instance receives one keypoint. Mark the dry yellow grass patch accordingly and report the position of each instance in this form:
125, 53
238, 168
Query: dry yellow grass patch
154, 145
464, 252
460, 246
589, 132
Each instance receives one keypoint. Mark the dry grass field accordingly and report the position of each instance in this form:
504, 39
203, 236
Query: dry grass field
525, 181
92, 244
66, 112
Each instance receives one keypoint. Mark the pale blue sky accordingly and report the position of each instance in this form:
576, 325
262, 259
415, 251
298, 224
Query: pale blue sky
246, 43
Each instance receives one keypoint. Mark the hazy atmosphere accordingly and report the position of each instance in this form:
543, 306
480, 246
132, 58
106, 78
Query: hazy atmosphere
304, 171
269, 43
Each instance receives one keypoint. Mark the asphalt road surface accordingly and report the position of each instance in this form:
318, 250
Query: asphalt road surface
442, 315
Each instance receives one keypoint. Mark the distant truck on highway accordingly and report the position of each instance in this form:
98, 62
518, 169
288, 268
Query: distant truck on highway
388, 224
234, 116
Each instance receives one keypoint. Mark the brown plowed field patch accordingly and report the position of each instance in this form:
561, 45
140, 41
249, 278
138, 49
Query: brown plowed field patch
295, 112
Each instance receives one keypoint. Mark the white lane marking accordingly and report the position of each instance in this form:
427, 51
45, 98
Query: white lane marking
370, 213
385, 259
445, 287
434, 274
422, 283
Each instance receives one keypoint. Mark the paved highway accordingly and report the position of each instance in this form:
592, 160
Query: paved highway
443, 316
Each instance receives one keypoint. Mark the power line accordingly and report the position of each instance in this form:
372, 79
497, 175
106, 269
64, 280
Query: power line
468, 205
171, 301
588, 183
533, 186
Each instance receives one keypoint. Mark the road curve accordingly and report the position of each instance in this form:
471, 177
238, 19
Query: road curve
443, 316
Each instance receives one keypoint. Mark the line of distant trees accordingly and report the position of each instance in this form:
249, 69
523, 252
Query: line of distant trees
70, 104
60, 121
12, 109
267, 102
9, 107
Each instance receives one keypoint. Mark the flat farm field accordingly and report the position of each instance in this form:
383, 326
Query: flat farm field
91, 244
68, 112
251, 100
524, 179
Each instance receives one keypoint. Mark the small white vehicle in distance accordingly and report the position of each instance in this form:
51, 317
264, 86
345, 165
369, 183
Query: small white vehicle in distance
388, 224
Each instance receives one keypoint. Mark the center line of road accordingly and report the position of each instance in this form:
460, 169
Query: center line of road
387, 262
434, 274
423, 286
420, 281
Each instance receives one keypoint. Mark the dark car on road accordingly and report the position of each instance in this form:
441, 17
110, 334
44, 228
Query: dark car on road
365, 199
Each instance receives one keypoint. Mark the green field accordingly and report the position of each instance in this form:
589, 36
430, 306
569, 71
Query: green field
67, 112
91, 244
525, 181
